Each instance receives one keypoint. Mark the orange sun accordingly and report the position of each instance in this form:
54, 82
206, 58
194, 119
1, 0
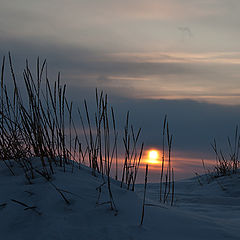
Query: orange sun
153, 157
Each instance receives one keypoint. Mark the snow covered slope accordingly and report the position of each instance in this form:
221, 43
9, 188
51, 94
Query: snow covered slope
214, 200
38, 210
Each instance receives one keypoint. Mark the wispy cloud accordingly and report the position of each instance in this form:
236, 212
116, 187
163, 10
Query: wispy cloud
180, 57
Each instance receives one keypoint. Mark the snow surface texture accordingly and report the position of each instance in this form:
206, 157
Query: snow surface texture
200, 212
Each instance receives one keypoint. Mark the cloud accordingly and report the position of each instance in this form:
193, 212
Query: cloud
119, 25
209, 76
193, 124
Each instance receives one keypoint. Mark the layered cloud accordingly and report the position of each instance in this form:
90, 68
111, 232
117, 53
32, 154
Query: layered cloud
210, 76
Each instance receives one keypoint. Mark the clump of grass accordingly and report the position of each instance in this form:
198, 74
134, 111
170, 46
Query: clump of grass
34, 126
228, 163
132, 156
40, 125
98, 141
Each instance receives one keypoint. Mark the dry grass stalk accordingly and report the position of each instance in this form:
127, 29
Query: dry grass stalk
144, 195
166, 171
33, 208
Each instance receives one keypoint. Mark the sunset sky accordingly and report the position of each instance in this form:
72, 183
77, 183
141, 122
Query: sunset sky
153, 57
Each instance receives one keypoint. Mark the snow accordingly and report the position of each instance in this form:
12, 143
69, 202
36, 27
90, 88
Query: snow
200, 211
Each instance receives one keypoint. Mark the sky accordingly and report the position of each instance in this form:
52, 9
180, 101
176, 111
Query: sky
152, 57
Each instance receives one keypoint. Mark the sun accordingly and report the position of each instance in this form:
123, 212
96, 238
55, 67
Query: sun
153, 156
